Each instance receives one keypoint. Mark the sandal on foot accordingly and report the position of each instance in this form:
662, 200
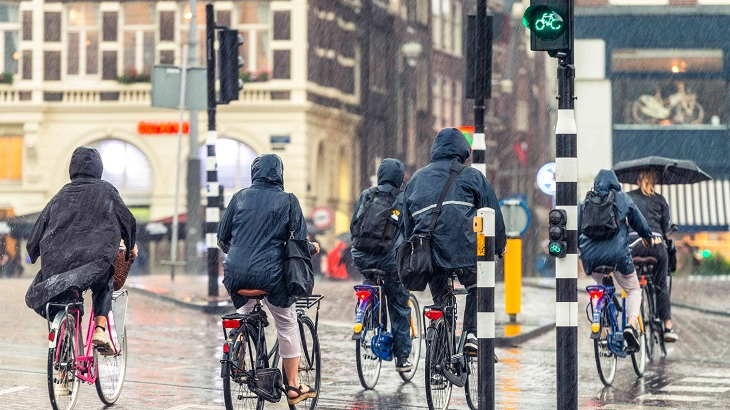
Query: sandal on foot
301, 396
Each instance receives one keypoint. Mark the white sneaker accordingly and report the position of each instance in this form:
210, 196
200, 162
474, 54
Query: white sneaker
61, 389
102, 343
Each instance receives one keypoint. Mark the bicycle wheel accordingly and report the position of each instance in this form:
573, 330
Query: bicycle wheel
236, 373
310, 370
472, 383
416, 322
638, 359
111, 370
438, 387
368, 364
63, 385
647, 317
605, 359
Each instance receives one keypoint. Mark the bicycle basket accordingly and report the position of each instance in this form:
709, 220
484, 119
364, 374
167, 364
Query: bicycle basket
268, 384
121, 269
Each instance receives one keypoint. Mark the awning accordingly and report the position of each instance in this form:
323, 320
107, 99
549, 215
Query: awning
700, 207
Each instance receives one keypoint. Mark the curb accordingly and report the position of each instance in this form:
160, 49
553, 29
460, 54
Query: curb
208, 308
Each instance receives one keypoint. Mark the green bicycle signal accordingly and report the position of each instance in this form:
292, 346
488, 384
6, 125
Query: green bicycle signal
546, 23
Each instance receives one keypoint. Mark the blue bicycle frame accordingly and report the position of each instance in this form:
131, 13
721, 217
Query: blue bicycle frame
381, 339
603, 297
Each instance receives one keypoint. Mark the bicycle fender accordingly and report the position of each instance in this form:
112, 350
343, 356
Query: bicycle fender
430, 333
54, 329
224, 365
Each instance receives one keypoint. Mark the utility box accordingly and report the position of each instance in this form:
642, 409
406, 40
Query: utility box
166, 87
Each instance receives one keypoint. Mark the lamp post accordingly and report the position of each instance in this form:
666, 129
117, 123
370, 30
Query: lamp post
411, 51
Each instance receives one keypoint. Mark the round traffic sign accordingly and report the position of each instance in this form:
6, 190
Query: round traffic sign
516, 216
322, 218
546, 178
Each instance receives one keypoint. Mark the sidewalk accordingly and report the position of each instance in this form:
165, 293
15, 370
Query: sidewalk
536, 318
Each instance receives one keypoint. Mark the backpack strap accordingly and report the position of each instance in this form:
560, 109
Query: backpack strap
290, 224
455, 170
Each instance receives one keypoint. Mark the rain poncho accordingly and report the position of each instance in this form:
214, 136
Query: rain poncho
612, 251
77, 234
454, 241
255, 225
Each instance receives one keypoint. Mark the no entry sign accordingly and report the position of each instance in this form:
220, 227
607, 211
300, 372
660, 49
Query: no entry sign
322, 218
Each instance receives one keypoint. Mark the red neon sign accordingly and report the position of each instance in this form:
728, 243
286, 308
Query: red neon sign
150, 128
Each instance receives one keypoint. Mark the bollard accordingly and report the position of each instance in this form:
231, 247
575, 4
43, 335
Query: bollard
513, 278
484, 227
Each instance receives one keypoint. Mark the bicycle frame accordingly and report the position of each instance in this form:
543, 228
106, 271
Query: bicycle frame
602, 297
365, 294
455, 349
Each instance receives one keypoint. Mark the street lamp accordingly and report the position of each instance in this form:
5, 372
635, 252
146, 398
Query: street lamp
411, 51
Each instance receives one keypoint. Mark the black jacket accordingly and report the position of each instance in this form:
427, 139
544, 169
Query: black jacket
454, 240
77, 234
655, 209
255, 225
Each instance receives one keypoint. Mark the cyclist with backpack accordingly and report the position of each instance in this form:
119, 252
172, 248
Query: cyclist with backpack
376, 234
603, 239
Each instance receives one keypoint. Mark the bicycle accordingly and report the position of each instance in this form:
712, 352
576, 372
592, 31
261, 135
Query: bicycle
653, 326
250, 372
607, 333
373, 341
446, 364
70, 362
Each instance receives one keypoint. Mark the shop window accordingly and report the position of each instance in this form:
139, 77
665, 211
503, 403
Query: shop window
234, 164
666, 60
11, 158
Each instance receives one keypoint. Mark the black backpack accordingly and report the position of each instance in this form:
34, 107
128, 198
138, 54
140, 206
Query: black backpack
600, 216
377, 227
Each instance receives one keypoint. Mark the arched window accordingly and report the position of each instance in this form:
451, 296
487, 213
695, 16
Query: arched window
234, 160
125, 167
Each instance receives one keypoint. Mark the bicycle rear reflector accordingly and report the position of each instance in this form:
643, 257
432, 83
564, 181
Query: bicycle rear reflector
225, 347
51, 336
596, 294
231, 323
434, 314
363, 294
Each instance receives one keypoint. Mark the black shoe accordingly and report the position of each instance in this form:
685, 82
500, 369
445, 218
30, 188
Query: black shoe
470, 347
402, 365
631, 336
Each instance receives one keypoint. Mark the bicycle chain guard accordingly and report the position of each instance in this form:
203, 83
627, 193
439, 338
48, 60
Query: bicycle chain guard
381, 344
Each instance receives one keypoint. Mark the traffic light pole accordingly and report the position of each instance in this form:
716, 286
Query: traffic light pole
566, 269
212, 211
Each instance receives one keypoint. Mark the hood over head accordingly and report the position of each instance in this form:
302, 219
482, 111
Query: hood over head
86, 162
606, 180
391, 172
450, 143
268, 168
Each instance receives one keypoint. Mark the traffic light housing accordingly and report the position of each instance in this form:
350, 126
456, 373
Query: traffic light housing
229, 65
550, 25
558, 245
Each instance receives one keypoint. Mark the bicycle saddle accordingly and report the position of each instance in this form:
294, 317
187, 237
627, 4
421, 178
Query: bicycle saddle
648, 260
374, 274
604, 269
253, 293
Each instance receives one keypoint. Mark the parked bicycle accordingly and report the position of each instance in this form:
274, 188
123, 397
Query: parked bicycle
446, 364
607, 330
71, 362
373, 340
250, 372
653, 325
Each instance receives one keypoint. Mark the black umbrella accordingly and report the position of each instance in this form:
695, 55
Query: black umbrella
669, 171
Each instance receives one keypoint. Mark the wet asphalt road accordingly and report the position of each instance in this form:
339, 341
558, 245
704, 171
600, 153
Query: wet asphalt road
174, 352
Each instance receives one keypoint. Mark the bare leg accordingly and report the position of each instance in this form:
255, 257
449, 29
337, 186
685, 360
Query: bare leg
100, 321
291, 367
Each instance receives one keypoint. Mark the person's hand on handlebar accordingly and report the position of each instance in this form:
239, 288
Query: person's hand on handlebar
316, 247
646, 242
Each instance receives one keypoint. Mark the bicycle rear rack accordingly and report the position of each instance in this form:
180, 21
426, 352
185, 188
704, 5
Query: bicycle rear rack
307, 303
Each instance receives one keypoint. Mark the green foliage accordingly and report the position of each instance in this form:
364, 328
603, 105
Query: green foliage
6, 78
715, 265
132, 76
249, 77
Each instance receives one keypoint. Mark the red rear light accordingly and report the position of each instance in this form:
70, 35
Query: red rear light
225, 347
596, 294
643, 280
51, 336
363, 294
231, 323
434, 314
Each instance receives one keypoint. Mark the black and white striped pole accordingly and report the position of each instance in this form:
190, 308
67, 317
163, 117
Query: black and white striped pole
484, 227
566, 268
212, 210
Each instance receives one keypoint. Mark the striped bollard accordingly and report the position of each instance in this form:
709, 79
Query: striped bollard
484, 227
479, 154
212, 212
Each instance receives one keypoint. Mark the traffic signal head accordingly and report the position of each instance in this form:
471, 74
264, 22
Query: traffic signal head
558, 245
549, 24
229, 65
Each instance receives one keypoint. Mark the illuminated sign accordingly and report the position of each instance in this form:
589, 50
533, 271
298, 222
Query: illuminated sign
152, 128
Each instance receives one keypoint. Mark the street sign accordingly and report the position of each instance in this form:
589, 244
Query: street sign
322, 218
546, 178
516, 217
166, 87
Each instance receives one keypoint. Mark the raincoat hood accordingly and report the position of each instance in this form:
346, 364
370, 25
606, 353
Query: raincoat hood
391, 172
86, 161
268, 168
605, 181
450, 143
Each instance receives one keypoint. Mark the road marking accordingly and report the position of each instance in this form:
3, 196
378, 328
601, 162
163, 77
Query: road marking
194, 407
709, 380
13, 389
695, 389
716, 374
670, 397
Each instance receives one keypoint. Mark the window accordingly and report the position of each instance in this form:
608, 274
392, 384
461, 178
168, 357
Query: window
282, 23
436, 32
254, 21
9, 37
378, 67
52, 26
447, 26
282, 64
109, 65
138, 36
234, 164
436, 104
184, 33
109, 26
223, 18
666, 60
11, 158
52, 65
125, 166
167, 26
27, 65
82, 42
11, 56
167, 56
27, 25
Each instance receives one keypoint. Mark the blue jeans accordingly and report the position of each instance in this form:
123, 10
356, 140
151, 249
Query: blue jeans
399, 313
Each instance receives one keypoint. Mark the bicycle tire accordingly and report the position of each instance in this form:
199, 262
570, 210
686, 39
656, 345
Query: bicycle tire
648, 323
607, 370
437, 352
60, 356
638, 359
416, 327
111, 371
310, 362
368, 364
471, 389
241, 355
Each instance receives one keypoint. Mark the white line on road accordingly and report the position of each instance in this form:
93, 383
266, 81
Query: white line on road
708, 380
716, 373
670, 397
695, 389
13, 389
